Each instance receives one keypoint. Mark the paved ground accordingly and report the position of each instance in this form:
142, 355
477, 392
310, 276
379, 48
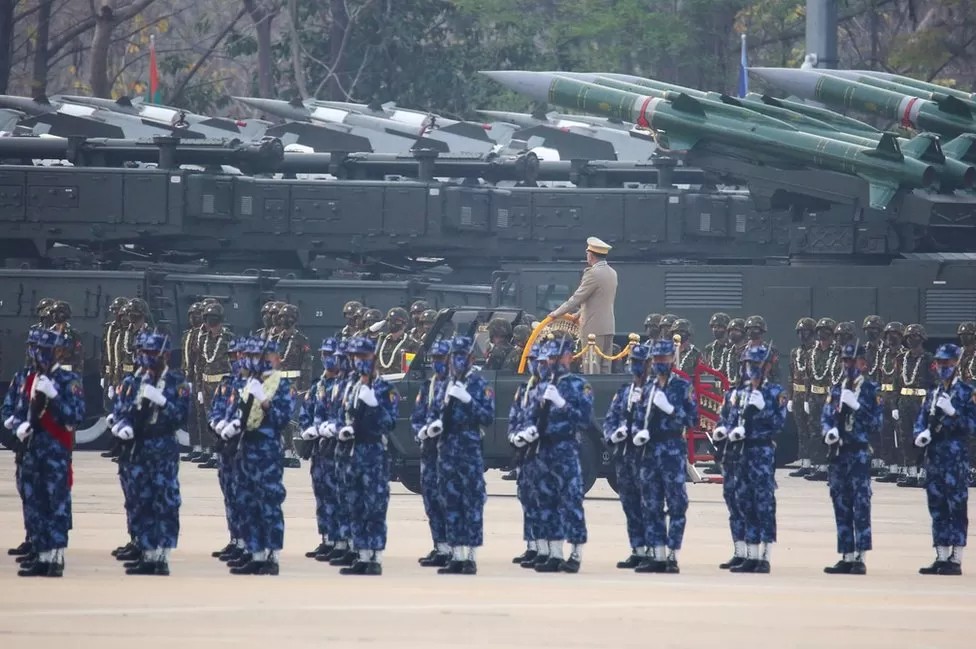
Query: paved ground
310, 605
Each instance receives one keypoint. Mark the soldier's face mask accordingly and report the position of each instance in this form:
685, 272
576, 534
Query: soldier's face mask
825, 336
637, 367
966, 339
652, 332
719, 333
755, 333
213, 320
947, 369
735, 335
396, 326
914, 340
459, 363
873, 334
751, 371
329, 362
252, 362
439, 365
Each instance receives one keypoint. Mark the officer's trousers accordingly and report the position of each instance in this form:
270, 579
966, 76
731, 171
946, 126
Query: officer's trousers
156, 490
908, 409
626, 465
531, 472
47, 492
430, 491
756, 492
731, 476
849, 479
261, 492
561, 492
663, 473
367, 494
461, 485
807, 434
818, 451
947, 490
325, 486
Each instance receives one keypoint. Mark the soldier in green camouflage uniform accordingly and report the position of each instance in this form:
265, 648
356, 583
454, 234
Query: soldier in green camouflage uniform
755, 330
350, 313
136, 313
73, 358
416, 311
798, 393
113, 329
917, 376
295, 365
889, 376
500, 349
372, 324
211, 367
667, 321
737, 343
967, 373
689, 356
715, 351
520, 336
824, 373
189, 354
652, 327
394, 343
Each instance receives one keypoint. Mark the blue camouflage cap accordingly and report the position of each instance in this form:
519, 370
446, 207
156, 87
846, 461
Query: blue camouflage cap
33, 336
639, 353
342, 348
948, 352
141, 338
534, 351
754, 354
155, 342
440, 347
461, 345
48, 338
329, 346
556, 348
850, 352
663, 347
361, 345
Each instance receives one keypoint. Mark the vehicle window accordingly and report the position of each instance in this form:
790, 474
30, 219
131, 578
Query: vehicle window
550, 296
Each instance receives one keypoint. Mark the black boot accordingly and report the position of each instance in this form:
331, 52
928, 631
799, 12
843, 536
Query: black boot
455, 567
348, 558
732, 563
42, 569
209, 463
934, 569
27, 558
191, 456
21, 550
224, 550
908, 481
256, 568
511, 475
233, 554
438, 560
630, 562
156, 568
131, 554
528, 555
889, 477
762, 567
840, 568
539, 559
951, 568
293, 463
648, 565
570, 565
241, 561
427, 557
553, 564
362, 568
818, 475
122, 548
319, 549
749, 565
858, 568
802, 472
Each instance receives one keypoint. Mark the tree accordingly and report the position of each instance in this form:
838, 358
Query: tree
262, 14
6, 41
106, 20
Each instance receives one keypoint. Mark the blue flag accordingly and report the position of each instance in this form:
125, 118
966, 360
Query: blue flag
743, 70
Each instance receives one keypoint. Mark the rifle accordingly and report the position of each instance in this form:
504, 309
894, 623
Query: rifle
936, 422
447, 413
746, 418
843, 412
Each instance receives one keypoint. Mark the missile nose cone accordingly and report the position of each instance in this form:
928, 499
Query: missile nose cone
531, 84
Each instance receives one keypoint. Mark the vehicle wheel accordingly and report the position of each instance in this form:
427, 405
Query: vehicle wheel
410, 478
589, 462
612, 481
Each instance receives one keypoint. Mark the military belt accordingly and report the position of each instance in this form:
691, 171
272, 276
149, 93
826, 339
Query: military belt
291, 374
818, 389
887, 387
213, 378
126, 367
799, 388
67, 368
913, 392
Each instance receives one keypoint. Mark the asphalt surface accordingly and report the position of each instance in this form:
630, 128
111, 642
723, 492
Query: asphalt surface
310, 605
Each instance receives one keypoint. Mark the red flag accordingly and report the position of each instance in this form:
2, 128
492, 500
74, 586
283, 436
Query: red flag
153, 72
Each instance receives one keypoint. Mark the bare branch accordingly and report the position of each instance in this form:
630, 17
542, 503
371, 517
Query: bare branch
181, 88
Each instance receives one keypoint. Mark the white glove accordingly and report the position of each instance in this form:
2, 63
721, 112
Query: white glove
24, 431
849, 399
530, 434
642, 437
661, 402
154, 394
806, 407
10, 423
756, 400
125, 433
635, 394
110, 419
327, 429
789, 406
552, 394
832, 436
619, 435
459, 392
200, 397
422, 434
720, 433
737, 434
368, 396
894, 414
46, 386
231, 430
923, 439
310, 433
346, 433
116, 427
519, 439
944, 403
219, 426
435, 428
255, 389
111, 392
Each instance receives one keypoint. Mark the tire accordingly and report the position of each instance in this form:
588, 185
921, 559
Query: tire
589, 462
410, 478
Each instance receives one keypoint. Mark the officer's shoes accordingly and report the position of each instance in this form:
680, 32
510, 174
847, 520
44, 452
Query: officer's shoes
26, 558
732, 563
457, 567
803, 471
528, 555
552, 564
427, 557
157, 568
907, 481
762, 567
651, 565
129, 554
256, 568
191, 456
511, 475
671, 566
348, 558
21, 550
435, 560
935, 569
233, 554
42, 569
121, 548
326, 552
630, 562
292, 463
818, 475
112, 452
879, 472
132, 564
224, 550
210, 463
951, 568
858, 568
570, 565
749, 565
363, 568
319, 549
889, 477
241, 561
840, 568
539, 559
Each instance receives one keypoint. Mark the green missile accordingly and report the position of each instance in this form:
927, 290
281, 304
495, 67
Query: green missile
919, 85
894, 86
682, 122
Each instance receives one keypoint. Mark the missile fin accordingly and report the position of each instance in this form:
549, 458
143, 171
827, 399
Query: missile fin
686, 104
954, 106
887, 148
880, 192
678, 141
730, 100
961, 148
924, 146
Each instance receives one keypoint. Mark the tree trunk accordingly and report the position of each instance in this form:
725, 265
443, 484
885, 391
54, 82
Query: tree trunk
262, 18
39, 76
98, 64
337, 32
6, 42
297, 67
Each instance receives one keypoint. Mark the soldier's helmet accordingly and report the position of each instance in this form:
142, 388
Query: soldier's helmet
895, 327
683, 328
738, 324
873, 322
196, 309
756, 322
138, 308
329, 346
117, 305
440, 347
43, 305
640, 353
845, 329
652, 320
60, 311
719, 320
428, 316
461, 345
806, 324
500, 328
287, 314
662, 347
520, 334
351, 309
826, 323
372, 316
850, 352
916, 330
966, 328
755, 354
667, 321
214, 310
397, 318
948, 352
418, 307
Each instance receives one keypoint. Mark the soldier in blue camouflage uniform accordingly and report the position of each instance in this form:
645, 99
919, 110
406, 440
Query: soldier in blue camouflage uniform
852, 416
427, 409
560, 413
52, 407
226, 450
945, 423
528, 465
316, 405
619, 425
668, 406
156, 403
468, 404
264, 410
729, 457
343, 554
11, 405
369, 415
762, 414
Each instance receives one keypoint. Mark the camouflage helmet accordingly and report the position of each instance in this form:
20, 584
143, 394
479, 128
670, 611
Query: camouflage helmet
428, 316
287, 311
195, 309
268, 307
371, 316
138, 306
966, 328
214, 309
500, 328
806, 324
399, 315
418, 307
351, 308
667, 321
826, 323
873, 322
719, 320
916, 330
60, 311
845, 328
520, 334
117, 305
738, 324
756, 322
652, 320
43, 305
682, 327
895, 327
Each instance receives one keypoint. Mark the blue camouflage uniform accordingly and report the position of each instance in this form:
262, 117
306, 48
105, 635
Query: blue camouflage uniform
315, 410
460, 463
948, 416
427, 409
11, 405
529, 465
344, 458
222, 406
849, 473
731, 464
756, 488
